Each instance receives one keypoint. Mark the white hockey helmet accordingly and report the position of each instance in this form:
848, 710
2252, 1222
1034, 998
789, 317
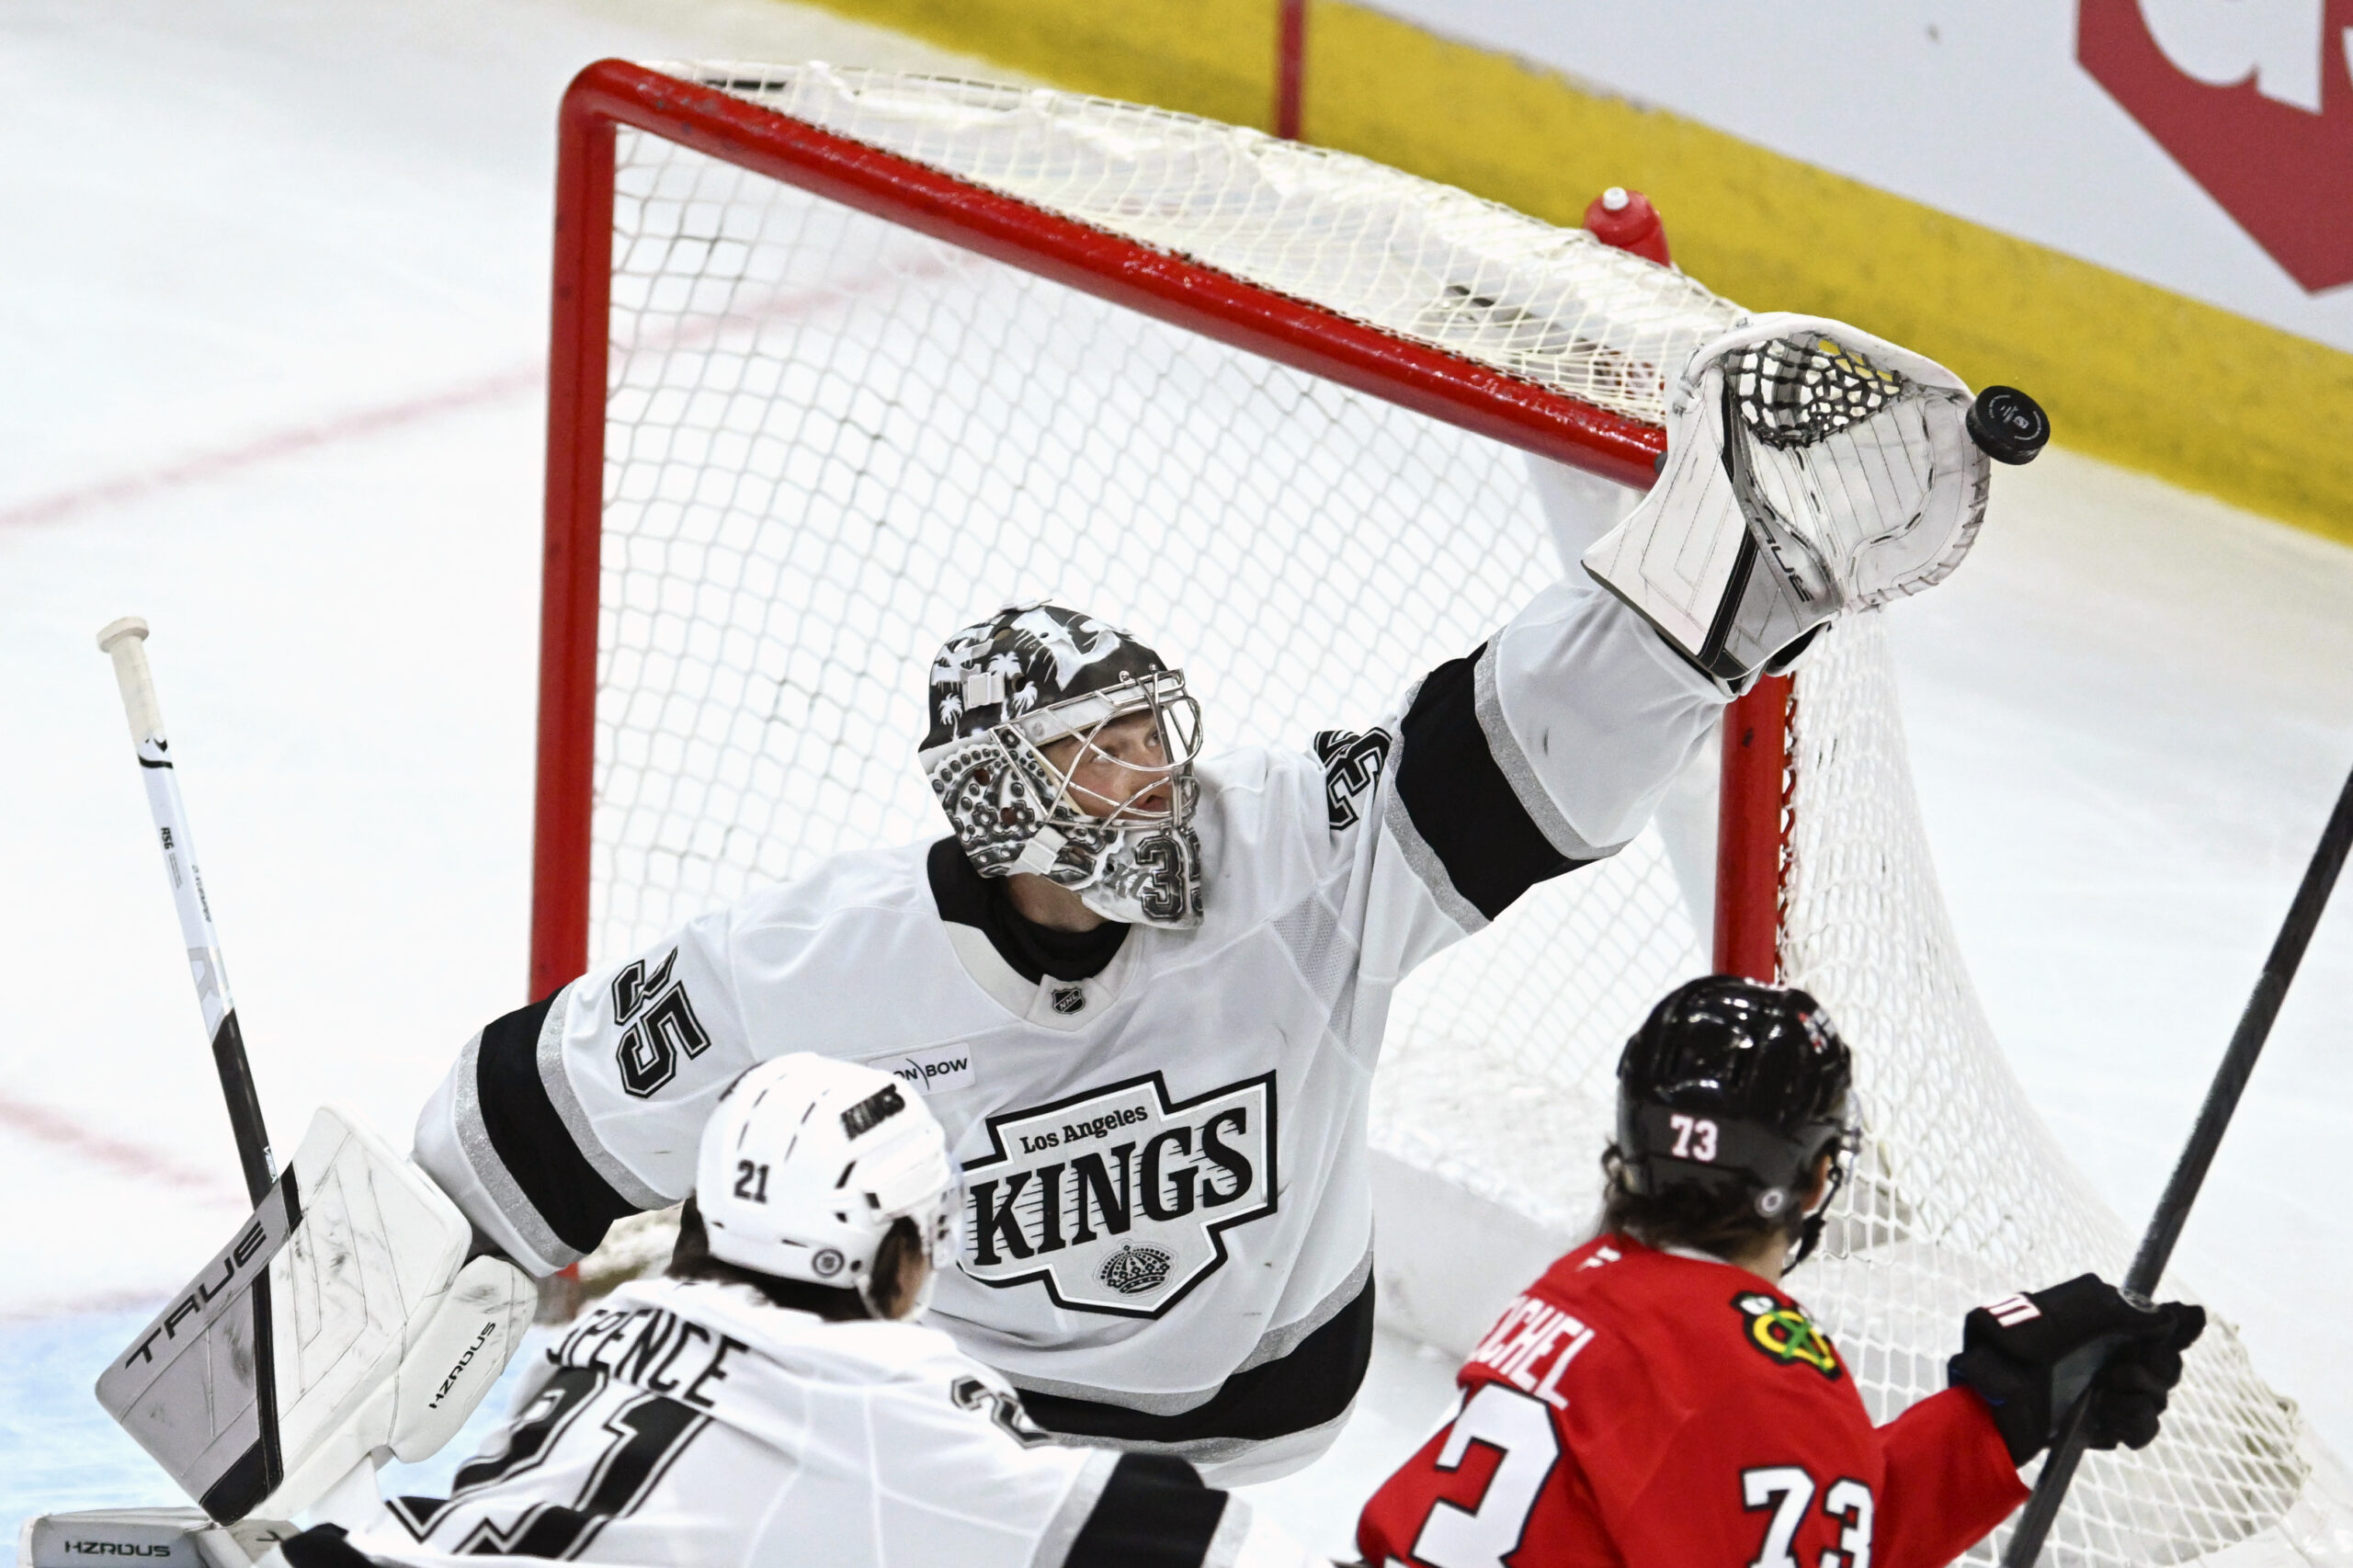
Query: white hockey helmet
806, 1164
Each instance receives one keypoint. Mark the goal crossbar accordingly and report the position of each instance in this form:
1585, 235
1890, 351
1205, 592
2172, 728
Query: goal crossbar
707, 117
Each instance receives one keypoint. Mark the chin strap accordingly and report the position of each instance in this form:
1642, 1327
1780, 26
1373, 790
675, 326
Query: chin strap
1810, 1233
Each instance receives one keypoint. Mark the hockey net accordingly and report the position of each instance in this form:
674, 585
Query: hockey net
844, 359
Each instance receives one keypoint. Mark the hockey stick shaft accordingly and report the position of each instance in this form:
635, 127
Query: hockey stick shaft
125, 641
2196, 1155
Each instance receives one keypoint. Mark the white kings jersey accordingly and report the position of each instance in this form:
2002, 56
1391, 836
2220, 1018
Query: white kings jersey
1168, 1227
688, 1423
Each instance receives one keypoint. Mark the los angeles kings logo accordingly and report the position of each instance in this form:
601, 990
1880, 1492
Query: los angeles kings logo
1118, 1199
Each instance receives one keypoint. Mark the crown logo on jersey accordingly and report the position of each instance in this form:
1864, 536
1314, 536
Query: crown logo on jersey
1133, 1270
1785, 1334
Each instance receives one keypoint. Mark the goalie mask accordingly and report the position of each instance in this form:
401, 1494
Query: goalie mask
1732, 1084
1062, 747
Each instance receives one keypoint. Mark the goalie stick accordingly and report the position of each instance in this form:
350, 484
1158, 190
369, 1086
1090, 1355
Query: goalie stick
124, 641
393, 1338
2189, 1172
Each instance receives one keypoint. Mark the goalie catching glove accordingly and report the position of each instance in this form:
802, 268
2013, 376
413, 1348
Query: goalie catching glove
1810, 469
342, 1323
2029, 1356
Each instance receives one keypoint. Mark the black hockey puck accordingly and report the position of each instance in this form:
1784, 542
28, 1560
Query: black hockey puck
2009, 425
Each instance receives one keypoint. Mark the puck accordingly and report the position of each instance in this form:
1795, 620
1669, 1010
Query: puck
2007, 425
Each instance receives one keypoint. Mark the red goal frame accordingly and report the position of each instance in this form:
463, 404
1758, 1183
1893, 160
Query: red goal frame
612, 93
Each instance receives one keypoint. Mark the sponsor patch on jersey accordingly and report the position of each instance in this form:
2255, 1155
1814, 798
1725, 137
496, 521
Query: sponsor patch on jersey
1785, 1334
927, 1071
1118, 1199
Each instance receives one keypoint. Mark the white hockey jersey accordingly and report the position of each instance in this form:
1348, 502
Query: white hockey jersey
688, 1423
1167, 1225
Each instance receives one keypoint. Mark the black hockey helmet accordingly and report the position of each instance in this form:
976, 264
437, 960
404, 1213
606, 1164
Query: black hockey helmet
1735, 1085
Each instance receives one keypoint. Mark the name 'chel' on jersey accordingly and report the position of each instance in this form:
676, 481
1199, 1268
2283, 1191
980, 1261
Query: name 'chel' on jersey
1167, 1225
1657, 1409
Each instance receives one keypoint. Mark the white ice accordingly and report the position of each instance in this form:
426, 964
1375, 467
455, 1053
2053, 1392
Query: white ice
276, 304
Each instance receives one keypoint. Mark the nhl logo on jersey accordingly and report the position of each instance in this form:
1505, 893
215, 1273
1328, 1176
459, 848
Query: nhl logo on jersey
1785, 1334
1067, 999
1118, 1199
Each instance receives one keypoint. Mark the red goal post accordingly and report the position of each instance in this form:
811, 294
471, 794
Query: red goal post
1156, 283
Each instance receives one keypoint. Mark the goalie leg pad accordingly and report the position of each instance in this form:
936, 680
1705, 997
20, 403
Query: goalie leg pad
341, 1322
156, 1538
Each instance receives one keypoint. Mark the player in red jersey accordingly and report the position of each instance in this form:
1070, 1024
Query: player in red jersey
1657, 1401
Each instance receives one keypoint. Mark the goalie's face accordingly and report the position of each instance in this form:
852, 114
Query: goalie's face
1133, 765
1121, 770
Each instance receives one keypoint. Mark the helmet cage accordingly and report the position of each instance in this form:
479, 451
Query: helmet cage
1176, 733
1014, 808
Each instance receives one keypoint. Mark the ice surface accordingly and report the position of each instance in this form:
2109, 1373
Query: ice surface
235, 223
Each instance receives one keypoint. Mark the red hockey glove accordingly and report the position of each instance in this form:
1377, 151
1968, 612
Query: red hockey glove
2028, 1356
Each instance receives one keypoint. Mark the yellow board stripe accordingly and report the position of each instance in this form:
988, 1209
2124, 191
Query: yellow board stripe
2199, 396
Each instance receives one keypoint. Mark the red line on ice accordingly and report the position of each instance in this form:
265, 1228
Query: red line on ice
468, 394
62, 1131
284, 443
125, 1301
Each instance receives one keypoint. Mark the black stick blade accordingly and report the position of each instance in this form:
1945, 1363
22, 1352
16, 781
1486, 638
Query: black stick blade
2009, 425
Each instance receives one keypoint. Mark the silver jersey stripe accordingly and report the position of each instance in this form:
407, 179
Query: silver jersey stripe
473, 1137
1210, 1454
1280, 1342
1513, 763
1233, 1528
1427, 869
1272, 1346
1062, 1531
574, 1117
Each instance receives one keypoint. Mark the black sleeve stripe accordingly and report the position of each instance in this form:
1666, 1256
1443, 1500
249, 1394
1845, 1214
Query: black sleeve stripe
1459, 800
1293, 1393
323, 1546
530, 1137
1154, 1513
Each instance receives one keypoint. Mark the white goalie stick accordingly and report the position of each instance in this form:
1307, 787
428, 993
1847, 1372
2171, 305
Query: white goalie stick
342, 1321
125, 641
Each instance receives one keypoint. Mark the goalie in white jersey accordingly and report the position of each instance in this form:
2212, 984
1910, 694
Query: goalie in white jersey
767, 1404
1145, 994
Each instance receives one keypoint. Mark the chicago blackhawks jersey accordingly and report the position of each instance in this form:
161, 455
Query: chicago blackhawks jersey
1167, 1226
1656, 1410
694, 1425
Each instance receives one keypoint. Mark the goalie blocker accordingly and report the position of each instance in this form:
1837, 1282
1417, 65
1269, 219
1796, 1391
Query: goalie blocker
340, 1324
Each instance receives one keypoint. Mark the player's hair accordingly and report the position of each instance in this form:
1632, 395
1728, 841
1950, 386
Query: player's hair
1719, 1218
691, 1259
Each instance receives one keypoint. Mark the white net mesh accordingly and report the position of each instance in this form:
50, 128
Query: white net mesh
830, 441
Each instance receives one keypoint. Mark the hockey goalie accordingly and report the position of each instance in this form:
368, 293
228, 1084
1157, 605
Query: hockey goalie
1144, 988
